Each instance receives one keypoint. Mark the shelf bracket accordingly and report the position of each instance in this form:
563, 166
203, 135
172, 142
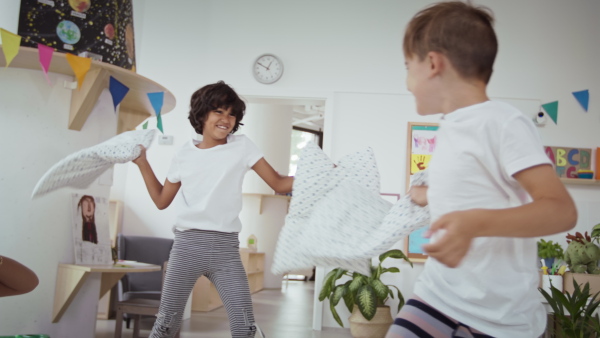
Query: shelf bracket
68, 283
84, 99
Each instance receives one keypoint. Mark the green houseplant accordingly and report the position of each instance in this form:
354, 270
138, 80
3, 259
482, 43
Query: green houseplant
574, 313
549, 251
366, 292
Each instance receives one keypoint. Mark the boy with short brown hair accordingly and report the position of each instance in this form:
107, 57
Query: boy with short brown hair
492, 189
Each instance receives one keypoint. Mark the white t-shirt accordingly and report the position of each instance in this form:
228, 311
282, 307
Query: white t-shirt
494, 289
211, 182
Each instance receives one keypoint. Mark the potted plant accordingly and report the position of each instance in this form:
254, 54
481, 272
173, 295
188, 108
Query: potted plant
574, 313
364, 296
549, 251
582, 254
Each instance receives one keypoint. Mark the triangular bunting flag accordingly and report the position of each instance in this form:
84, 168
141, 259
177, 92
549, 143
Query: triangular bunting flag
583, 97
45, 53
552, 110
10, 45
156, 99
159, 123
80, 66
117, 90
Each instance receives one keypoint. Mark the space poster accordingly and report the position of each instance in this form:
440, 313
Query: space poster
102, 30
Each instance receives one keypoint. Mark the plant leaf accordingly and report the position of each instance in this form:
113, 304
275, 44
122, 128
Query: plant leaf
356, 283
401, 300
335, 314
394, 253
326, 289
393, 269
381, 290
338, 293
339, 273
367, 301
349, 298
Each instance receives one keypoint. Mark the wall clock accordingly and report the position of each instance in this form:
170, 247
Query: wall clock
267, 69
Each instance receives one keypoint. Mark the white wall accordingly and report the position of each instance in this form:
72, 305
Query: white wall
38, 233
350, 51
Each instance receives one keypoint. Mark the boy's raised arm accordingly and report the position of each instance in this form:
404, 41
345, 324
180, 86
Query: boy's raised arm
281, 184
162, 196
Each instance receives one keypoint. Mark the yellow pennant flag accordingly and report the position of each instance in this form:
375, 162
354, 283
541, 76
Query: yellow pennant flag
80, 66
10, 45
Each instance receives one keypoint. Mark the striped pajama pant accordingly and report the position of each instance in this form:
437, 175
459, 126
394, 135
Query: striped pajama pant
213, 254
419, 320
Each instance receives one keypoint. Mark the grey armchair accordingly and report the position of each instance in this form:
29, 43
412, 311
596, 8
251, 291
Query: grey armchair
146, 249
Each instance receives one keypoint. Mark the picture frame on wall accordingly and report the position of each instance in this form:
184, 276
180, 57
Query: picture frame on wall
421, 142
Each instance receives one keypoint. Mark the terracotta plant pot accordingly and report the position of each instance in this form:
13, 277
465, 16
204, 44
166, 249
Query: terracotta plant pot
377, 327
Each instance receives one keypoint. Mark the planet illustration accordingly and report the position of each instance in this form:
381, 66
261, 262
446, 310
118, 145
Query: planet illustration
68, 32
80, 5
109, 31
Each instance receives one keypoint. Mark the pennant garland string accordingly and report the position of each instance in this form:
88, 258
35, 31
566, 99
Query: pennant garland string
117, 90
156, 99
10, 45
583, 97
45, 54
80, 67
552, 109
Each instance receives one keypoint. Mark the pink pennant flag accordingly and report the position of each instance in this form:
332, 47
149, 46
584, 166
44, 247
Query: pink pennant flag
45, 53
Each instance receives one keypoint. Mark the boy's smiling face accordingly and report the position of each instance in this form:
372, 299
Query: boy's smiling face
218, 124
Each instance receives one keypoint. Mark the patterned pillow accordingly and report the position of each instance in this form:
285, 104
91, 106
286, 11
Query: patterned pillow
337, 217
80, 169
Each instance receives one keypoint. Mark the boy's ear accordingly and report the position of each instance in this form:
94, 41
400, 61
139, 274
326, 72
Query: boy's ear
437, 63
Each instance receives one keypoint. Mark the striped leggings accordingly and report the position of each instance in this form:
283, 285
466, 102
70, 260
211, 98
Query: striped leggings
213, 254
419, 320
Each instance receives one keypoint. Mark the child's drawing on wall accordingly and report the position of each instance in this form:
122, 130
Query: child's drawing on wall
90, 230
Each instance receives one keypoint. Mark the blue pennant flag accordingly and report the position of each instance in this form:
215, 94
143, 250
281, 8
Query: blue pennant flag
156, 99
583, 97
117, 90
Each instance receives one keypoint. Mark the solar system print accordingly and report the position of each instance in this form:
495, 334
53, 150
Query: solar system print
100, 29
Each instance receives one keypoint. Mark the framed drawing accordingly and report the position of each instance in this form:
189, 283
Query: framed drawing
421, 141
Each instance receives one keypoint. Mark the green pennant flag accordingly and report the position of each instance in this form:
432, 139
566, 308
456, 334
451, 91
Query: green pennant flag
552, 110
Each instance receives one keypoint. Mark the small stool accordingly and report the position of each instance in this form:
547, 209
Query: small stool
137, 307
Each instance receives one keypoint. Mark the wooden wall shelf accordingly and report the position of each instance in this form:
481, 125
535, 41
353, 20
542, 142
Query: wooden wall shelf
134, 108
580, 181
70, 279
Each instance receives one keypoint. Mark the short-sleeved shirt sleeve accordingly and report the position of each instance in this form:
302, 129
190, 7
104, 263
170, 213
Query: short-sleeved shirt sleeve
253, 154
521, 146
174, 175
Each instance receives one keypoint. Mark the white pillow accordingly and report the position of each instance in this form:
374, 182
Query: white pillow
80, 169
337, 217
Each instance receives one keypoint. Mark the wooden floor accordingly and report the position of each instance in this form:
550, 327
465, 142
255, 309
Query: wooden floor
285, 313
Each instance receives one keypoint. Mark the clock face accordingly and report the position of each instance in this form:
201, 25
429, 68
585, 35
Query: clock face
267, 69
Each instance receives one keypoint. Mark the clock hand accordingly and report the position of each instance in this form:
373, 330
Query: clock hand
267, 68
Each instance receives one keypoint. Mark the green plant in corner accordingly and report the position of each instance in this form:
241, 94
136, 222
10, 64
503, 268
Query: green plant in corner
596, 234
549, 251
367, 292
574, 313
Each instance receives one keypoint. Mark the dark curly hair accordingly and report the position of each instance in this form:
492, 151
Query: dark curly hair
215, 96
